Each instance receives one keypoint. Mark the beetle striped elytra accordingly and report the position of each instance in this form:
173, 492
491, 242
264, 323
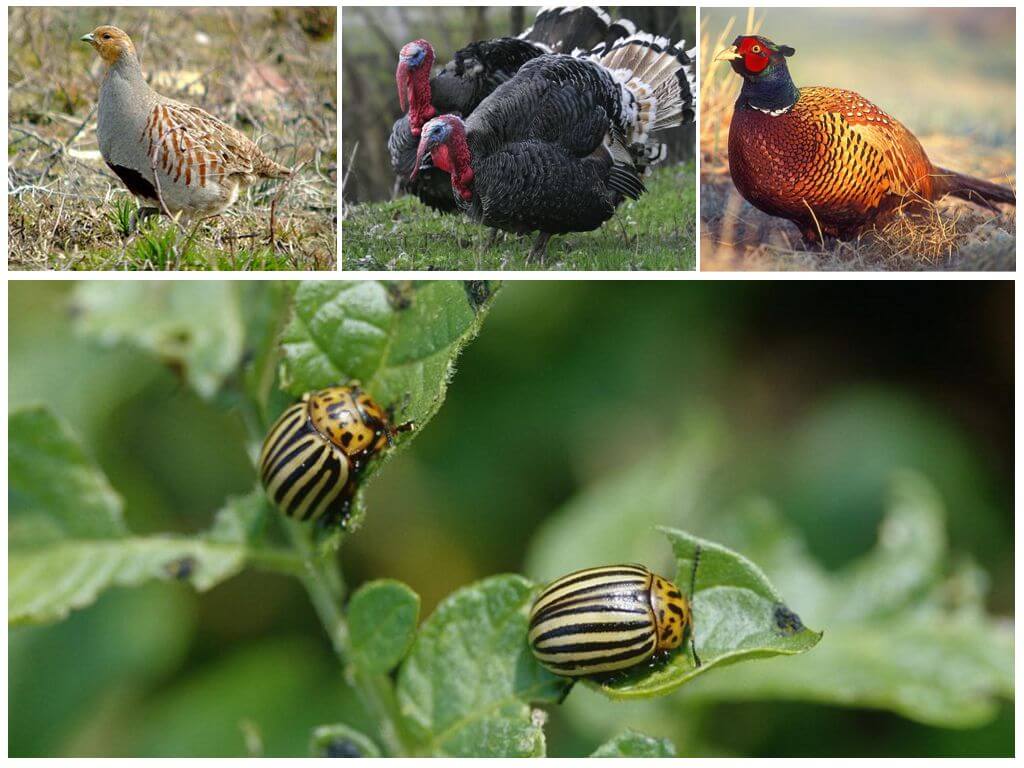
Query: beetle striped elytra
602, 620
313, 454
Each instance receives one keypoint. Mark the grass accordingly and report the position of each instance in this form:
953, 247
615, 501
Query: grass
969, 128
656, 232
269, 72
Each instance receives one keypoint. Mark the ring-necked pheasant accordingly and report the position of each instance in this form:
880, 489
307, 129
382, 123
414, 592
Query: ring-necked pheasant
827, 159
201, 164
471, 76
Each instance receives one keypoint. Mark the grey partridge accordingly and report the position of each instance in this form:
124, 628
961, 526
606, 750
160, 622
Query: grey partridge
167, 153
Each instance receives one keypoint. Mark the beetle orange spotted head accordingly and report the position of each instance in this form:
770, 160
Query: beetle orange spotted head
671, 613
352, 420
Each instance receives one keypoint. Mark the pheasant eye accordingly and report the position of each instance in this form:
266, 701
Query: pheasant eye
756, 49
106, 37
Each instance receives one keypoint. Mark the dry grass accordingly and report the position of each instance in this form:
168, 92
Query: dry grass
269, 72
948, 235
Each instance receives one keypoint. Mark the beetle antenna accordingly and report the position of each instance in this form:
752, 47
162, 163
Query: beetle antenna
693, 586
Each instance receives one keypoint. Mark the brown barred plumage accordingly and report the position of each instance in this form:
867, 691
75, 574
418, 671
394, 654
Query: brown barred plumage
825, 158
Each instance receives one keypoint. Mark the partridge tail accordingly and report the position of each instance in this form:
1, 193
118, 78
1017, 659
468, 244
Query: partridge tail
272, 170
973, 189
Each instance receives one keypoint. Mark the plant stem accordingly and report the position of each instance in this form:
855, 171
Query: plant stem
323, 580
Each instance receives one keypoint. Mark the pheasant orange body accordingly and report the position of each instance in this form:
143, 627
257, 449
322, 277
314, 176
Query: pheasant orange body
827, 159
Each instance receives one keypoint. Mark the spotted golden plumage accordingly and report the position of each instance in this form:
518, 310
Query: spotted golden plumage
827, 159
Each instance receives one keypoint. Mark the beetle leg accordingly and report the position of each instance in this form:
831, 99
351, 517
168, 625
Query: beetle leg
565, 693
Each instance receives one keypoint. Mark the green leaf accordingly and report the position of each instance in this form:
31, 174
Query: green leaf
467, 684
905, 649
63, 553
193, 326
737, 615
398, 339
633, 744
382, 618
341, 741
55, 489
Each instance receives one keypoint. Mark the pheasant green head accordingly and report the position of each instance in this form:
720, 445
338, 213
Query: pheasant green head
767, 85
753, 55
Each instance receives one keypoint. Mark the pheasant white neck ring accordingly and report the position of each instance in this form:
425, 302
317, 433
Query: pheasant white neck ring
444, 138
413, 79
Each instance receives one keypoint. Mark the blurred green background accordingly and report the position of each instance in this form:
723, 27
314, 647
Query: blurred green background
814, 392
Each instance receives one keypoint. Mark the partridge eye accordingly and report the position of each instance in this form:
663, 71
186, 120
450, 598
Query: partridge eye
106, 37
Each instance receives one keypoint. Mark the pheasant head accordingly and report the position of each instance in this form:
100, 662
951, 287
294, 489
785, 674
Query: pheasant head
110, 43
413, 78
444, 138
767, 85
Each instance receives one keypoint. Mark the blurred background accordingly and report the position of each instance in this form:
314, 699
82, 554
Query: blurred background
805, 394
269, 72
947, 74
371, 38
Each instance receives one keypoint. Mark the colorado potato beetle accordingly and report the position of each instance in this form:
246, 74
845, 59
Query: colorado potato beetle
312, 456
602, 620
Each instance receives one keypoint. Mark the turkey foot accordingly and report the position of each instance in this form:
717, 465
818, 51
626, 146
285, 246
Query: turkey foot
492, 240
540, 247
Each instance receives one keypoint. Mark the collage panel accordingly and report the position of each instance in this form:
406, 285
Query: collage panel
171, 138
361, 518
858, 139
565, 496
561, 138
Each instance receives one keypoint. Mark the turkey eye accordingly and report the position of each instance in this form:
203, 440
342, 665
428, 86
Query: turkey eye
756, 49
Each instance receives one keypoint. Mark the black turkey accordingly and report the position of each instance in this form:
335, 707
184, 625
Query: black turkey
472, 75
558, 146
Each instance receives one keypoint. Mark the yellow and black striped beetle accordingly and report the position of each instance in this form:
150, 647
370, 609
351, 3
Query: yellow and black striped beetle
312, 456
603, 620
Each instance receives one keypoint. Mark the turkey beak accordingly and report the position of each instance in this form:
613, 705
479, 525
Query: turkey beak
402, 78
424, 148
88, 39
728, 54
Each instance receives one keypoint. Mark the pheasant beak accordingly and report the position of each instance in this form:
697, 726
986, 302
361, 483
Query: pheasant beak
88, 38
728, 54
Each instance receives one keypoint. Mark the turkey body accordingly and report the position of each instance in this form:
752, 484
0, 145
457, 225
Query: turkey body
539, 157
533, 185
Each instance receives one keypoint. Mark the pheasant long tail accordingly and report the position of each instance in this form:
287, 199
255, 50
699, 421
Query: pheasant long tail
973, 189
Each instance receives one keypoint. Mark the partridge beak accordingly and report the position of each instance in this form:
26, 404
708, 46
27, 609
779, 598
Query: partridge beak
728, 54
87, 38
